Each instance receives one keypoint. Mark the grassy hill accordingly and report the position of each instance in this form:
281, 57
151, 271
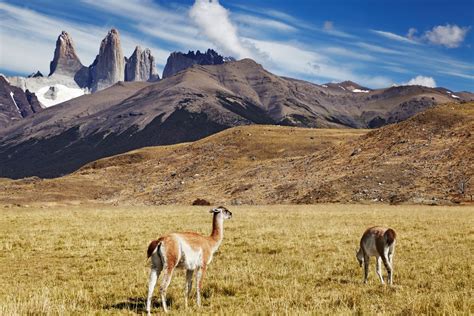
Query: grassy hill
421, 160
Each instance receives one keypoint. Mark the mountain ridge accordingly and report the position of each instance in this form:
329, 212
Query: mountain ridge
190, 105
421, 160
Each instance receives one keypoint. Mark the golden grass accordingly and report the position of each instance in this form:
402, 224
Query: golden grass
275, 259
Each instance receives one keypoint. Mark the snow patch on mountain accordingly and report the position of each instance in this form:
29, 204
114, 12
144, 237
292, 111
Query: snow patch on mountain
14, 102
360, 91
58, 93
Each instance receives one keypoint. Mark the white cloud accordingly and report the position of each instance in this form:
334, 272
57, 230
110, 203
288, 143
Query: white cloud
378, 49
350, 53
421, 81
213, 21
394, 37
458, 74
411, 33
328, 25
448, 35
259, 22
279, 15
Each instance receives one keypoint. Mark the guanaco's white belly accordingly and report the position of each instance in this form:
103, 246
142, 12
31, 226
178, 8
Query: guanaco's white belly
190, 258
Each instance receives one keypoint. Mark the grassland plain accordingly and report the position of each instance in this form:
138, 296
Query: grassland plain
282, 259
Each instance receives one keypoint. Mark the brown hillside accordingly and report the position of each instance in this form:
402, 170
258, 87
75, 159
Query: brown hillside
421, 160
193, 104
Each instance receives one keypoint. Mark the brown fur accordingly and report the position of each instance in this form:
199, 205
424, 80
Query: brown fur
174, 256
152, 246
390, 235
383, 237
195, 240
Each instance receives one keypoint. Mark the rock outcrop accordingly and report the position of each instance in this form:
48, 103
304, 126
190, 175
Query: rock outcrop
178, 61
65, 61
108, 67
141, 66
37, 74
15, 104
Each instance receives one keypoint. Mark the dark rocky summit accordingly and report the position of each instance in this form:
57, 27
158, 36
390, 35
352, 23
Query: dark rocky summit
141, 66
178, 61
37, 74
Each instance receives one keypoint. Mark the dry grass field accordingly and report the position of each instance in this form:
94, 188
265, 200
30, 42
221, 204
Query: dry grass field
275, 259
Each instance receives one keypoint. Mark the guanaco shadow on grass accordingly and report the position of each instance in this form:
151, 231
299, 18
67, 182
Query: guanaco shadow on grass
138, 304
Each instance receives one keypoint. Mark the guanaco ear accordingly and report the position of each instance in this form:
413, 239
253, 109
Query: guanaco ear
215, 210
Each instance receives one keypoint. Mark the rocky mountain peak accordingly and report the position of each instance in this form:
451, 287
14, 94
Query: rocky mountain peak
37, 74
178, 61
65, 60
141, 66
109, 66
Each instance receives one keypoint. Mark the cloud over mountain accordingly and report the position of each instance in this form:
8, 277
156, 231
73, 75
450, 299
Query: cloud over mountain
214, 22
421, 81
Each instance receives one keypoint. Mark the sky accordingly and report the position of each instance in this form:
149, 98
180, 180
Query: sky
376, 43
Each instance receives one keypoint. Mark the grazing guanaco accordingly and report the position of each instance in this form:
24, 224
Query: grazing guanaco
189, 250
380, 243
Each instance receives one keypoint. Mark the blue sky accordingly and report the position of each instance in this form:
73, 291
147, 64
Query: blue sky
374, 43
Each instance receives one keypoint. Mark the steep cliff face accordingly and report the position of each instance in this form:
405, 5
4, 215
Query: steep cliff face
141, 66
178, 61
65, 60
108, 67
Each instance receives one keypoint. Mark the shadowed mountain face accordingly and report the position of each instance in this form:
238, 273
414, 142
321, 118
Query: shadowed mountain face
178, 61
15, 104
424, 159
192, 104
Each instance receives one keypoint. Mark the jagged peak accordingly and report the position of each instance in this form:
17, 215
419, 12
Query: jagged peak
140, 66
65, 60
178, 61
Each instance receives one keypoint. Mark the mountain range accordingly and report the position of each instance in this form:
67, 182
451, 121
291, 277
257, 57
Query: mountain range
426, 159
69, 78
200, 94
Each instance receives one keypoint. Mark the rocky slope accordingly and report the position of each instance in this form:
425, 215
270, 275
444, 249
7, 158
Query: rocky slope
347, 86
425, 159
178, 61
190, 105
15, 104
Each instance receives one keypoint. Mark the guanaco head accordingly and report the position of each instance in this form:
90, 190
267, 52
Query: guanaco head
360, 256
225, 212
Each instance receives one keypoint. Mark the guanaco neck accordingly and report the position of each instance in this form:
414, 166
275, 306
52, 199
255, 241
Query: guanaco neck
217, 228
